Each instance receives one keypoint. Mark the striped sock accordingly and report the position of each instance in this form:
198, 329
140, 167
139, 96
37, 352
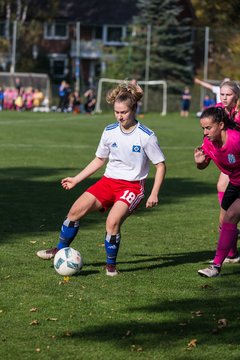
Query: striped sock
68, 232
112, 243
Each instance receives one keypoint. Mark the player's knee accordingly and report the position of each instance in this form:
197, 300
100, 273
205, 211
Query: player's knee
112, 226
232, 216
75, 214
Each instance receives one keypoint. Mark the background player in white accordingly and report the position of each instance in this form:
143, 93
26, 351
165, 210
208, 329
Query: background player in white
214, 88
128, 145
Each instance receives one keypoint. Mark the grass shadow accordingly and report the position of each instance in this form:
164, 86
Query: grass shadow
184, 318
30, 205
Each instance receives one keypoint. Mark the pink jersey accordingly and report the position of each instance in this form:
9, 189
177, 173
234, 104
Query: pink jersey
227, 157
233, 112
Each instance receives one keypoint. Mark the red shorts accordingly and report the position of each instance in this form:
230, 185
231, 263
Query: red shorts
108, 191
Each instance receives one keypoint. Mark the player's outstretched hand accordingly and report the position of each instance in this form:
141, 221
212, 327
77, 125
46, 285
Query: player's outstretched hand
68, 183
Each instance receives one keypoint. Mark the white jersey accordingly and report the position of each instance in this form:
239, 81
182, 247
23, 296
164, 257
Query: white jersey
129, 153
216, 90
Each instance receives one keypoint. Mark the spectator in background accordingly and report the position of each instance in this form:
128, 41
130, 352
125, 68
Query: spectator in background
61, 94
19, 101
18, 85
207, 102
25, 99
90, 102
10, 95
185, 102
75, 102
1, 98
28, 98
66, 100
38, 98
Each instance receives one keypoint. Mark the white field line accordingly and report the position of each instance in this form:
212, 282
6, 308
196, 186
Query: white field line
32, 122
70, 146
44, 146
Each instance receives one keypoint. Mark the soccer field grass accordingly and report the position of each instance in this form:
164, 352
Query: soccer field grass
158, 307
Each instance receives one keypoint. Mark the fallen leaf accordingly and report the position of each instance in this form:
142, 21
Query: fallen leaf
34, 322
197, 313
222, 323
192, 343
65, 280
68, 333
33, 310
136, 348
206, 286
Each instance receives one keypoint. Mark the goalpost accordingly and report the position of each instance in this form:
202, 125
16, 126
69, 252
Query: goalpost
146, 83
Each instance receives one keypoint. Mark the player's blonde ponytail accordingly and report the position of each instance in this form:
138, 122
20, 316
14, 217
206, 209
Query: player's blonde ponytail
126, 91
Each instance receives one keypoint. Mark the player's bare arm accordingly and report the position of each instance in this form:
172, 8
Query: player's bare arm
203, 83
159, 177
96, 164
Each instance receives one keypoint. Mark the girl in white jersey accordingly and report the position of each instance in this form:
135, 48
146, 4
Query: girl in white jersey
128, 146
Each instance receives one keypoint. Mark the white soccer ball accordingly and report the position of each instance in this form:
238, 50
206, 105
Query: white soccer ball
68, 261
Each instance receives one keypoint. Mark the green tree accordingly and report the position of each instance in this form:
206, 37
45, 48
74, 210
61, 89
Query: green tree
119, 62
171, 44
223, 18
29, 15
221, 13
20, 10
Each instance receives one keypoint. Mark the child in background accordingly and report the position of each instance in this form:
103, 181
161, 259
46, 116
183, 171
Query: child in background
185, 102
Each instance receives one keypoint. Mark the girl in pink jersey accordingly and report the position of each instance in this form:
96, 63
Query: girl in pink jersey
229, 95
221, 144
128, 146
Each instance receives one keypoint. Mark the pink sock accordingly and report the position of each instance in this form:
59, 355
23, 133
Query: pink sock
227, 241
220, 196
234, 250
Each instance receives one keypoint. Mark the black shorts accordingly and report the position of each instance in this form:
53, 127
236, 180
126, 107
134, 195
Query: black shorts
231, 194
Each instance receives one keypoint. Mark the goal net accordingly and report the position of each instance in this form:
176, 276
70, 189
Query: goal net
155, 94
35, 80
